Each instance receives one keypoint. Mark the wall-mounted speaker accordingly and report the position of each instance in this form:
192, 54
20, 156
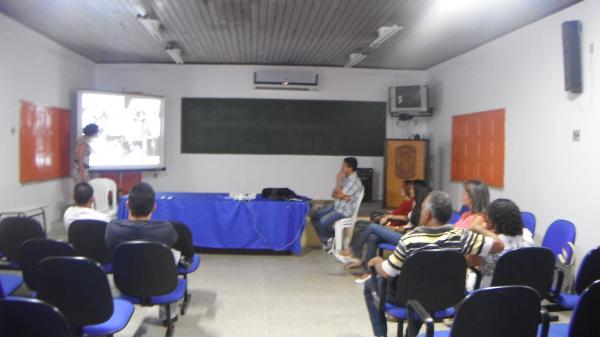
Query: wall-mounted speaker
571, 37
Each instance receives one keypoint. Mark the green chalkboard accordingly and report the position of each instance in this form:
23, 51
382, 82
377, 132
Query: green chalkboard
267, 126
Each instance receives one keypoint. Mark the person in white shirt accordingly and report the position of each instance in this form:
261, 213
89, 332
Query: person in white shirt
83, 193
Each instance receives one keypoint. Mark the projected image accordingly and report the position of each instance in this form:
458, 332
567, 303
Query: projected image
130, 130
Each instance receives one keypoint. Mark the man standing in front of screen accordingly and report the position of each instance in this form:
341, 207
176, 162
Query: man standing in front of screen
346, 193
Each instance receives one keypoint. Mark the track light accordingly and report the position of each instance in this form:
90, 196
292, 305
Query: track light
152, 26
175, 54
355, 58
384, 33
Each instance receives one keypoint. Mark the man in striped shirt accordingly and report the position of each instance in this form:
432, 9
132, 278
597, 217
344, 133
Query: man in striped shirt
346, 194
432, 233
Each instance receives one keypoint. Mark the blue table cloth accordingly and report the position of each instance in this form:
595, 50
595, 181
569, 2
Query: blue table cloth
217, 221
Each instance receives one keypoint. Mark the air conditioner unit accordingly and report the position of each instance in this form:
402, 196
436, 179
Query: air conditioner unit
286, 80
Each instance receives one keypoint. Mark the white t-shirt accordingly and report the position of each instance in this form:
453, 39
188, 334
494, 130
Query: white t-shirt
82, 213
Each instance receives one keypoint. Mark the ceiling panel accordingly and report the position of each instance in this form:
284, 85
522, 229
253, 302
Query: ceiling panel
282, 32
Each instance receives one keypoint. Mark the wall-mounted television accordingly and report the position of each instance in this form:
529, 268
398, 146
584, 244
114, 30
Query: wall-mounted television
131, 129
409, 100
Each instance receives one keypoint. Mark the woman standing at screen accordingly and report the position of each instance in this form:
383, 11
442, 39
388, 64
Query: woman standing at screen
83, 150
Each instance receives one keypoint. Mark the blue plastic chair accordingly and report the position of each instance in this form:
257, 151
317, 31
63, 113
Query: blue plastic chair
588, 273
558, 236
21, 317
584, 321
134, 268
79, 288
9, 283
454, 218
529, 221
489, 312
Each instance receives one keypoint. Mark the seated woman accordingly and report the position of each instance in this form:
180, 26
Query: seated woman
392, 220
504, 218
376, 234
477, 197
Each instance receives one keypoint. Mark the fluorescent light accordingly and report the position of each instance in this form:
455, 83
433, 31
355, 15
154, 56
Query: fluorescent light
175, 54
355, 58
152, 26
384, 33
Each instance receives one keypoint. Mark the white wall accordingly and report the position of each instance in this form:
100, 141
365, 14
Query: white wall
35, 69
545, 171
309, 175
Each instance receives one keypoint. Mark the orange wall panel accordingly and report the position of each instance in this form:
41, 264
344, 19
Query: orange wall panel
44, 143
478, 147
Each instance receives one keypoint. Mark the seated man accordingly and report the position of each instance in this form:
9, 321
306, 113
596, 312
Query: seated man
83, 193
346, 193
432, 233
138, 225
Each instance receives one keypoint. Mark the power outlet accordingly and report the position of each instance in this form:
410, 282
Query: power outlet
576, 135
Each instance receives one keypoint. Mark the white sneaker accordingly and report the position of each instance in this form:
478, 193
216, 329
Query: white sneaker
362, 279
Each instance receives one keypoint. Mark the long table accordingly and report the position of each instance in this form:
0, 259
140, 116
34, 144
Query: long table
218, 221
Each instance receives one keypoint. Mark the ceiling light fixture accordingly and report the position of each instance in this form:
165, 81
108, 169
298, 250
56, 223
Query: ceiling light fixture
355, 58
153, 26
384, 33
175, 54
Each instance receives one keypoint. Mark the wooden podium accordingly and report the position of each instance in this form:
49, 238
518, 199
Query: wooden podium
405, 159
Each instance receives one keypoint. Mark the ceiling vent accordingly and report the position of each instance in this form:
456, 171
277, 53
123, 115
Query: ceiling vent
286, 80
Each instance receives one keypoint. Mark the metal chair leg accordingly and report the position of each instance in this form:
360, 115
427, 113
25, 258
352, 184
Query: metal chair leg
170, 326
400, 332
186, 297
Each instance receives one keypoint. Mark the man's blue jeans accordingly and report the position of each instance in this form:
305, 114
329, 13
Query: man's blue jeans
378, 322
323, 221
372, 237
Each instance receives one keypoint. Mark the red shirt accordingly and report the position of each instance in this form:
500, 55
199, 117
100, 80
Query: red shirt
404, 208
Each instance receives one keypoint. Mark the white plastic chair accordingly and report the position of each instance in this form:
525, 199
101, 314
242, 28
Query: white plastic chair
105, 196
345, 223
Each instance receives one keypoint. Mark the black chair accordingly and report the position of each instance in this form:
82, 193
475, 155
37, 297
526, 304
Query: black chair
13, 232
435, 278
146, 274
79, 287
584, 321
513, 311
185, 245
35, 250
589, 271
27, 317
88, 238
531, 266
